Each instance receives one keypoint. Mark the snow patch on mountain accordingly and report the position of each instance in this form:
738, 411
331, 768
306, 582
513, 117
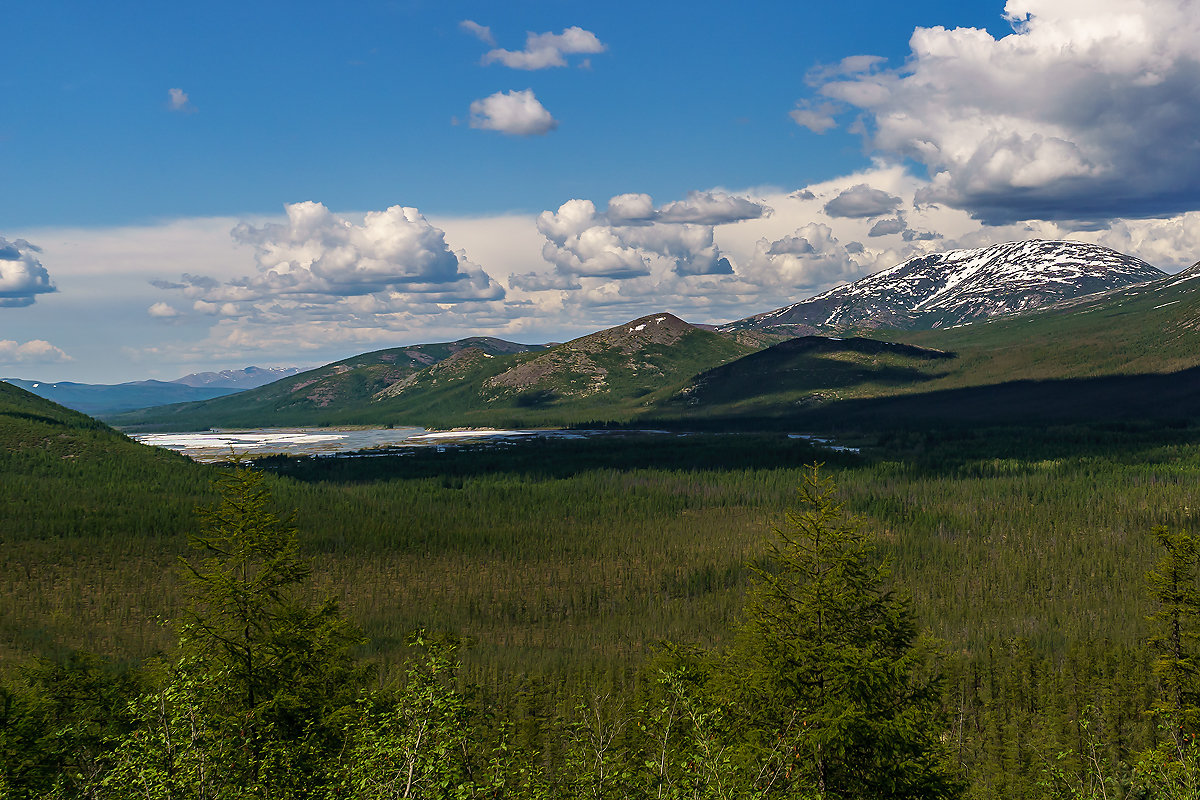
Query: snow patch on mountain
248, 378
946, 289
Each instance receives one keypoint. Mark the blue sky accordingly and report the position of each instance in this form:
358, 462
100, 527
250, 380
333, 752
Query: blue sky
444, 175
353, 105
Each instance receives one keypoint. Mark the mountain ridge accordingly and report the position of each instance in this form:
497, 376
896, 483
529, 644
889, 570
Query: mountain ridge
940, 290
621, 368
114, 398
101, 398
238, 379
305, 397
659, 367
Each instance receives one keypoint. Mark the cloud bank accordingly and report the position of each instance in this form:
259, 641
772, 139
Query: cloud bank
316, 286
632, 257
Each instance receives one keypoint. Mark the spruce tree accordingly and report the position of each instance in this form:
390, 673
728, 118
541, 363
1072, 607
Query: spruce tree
250, 706
840, 694
285, 661
1173, 586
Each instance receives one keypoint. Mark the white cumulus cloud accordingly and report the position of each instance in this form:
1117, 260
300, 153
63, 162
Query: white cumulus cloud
318, 252
1170, 243
35, 351
481, 32
319, 265
817, 117
544, 50
862, 201
22, 276
809, 259
622, 242
517, 113
1086, 111
177, 100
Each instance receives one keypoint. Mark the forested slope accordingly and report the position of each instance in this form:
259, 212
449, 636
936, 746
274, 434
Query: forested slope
90, 521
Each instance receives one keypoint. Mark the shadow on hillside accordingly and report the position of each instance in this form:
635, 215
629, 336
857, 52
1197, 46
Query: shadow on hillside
1129, 418
811, 363
1172, 397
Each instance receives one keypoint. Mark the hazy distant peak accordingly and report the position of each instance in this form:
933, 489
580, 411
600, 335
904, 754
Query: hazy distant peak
248, 378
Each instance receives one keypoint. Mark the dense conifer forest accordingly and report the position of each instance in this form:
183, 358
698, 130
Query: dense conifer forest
980, 613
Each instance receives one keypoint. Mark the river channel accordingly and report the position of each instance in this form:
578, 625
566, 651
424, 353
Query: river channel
222, 445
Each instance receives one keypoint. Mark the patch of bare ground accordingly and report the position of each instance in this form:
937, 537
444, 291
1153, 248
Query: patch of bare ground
397, 387
457, 365
560, 361
574, 361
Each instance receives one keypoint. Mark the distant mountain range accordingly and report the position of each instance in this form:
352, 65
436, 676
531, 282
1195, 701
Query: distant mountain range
621, 370
100, 399
946, 289
248, 378
1033, 322
329, 394
97, 399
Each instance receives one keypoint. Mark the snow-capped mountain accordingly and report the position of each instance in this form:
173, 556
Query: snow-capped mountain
945, 289
240, 379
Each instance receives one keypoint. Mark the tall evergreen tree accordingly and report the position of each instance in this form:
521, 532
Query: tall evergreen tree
1173, 586
840, 693
250, 707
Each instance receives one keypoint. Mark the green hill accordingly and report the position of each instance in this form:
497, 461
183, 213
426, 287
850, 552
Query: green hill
1150, 328
331, 394
83, 509
612, 375
808, 371
35, 431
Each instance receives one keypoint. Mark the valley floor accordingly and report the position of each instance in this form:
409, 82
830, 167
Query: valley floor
565, 564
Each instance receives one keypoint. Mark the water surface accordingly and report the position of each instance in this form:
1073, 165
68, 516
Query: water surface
222, 445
